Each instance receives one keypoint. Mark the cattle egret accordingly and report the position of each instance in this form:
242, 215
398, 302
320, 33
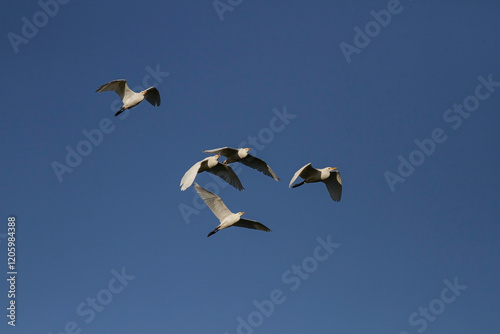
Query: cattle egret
130, 98
328, 176
241, 155
226, 217
211, 165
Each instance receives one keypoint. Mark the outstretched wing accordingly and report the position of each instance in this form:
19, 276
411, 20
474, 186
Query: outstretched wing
213, 201
120, 87
304, 172
334, 186
248, 223
188, 178
224, 151
152, 95
226, 173
260, 165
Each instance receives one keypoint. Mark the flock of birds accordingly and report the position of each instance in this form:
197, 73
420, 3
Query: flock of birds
328, 175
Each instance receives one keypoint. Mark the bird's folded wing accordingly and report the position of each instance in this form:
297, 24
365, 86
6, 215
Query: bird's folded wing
260, 165
224, 151
153, 96
296, 175
188, 178
213, 202
226, 173
334, 186
247, 223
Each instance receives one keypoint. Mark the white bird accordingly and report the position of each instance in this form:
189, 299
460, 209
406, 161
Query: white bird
328, 176
241, 155
130, 98
226, 217
211, 165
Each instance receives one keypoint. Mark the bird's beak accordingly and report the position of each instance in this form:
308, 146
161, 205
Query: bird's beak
217, 156
333, 168
248, 149
242, 213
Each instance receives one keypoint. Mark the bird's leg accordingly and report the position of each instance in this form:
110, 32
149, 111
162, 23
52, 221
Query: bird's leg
213, 232
299, 184
119, 112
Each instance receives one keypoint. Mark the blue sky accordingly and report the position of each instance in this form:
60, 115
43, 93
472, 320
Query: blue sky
105, 248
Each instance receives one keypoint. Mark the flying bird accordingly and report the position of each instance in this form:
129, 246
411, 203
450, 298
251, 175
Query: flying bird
211, 165
130, 98
329, 176
226, 217
241, 155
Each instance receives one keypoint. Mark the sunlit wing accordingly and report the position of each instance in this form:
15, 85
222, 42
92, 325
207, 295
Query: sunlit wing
120, 87
188, 178
296, 175
213, 201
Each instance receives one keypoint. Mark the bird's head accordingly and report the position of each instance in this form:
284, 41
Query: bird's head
217, 156
248, 149
241, 213
331, 169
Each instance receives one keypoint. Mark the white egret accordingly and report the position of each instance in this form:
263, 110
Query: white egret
226, 217
241, 155
211, 165
130, 98
329, 176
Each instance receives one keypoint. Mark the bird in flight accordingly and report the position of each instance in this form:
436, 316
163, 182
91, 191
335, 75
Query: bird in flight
241, 155
329, 176
226, 217
211, 165
130, 98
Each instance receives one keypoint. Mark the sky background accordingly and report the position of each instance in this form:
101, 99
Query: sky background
120, 207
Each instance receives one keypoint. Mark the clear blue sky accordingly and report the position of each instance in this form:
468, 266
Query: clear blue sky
398, 245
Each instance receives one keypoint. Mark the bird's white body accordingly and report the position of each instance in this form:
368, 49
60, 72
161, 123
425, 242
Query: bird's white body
243, 152
241, 155
212, 161
229, 220
328, 175
325, 173
130, 98
226, 217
